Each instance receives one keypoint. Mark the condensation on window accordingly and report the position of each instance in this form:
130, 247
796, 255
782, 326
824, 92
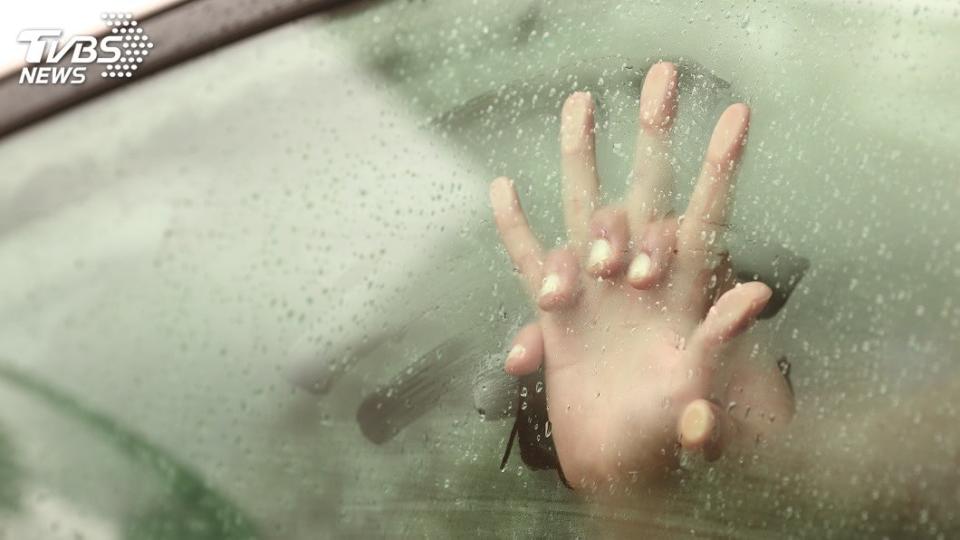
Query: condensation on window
262, 295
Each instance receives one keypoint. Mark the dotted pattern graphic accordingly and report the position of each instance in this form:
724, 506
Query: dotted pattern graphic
136, 44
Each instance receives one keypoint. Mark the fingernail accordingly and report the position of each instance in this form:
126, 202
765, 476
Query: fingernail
600, 252
576, 122
698, 422
516, 352
550, 285
727, 139
640, 267
657, 96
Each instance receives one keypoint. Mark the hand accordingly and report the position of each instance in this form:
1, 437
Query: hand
639, 312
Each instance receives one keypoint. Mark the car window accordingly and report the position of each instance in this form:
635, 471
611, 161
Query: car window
275, 269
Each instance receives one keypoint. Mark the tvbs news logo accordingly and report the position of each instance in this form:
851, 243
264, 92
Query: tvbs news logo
120, 52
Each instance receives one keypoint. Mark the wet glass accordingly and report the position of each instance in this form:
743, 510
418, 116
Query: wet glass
269, 280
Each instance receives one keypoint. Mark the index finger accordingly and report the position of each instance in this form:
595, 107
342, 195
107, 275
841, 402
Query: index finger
515, 233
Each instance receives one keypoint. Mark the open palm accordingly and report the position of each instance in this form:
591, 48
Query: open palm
639, 310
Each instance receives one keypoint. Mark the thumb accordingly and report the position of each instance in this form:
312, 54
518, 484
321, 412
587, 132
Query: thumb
705, 427
527, 353
733, 313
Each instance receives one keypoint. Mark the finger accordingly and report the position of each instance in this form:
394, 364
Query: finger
526, 355
611, 242
733, 313
724, 281
579, 163
706, 214
651, 192
704, 427
561, 284
515, 233
653, 254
